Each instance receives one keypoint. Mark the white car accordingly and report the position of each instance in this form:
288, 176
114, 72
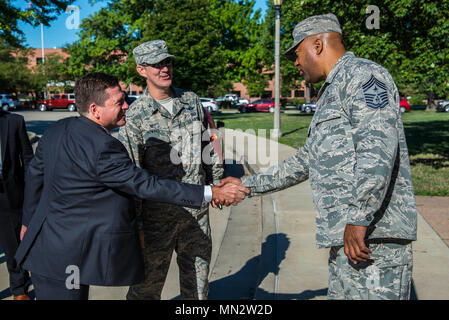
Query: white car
242, 101
210, 104
232, 97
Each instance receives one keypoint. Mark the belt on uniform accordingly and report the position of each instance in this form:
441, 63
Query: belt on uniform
388, 240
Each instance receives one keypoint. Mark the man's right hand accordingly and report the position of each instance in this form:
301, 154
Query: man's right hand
229, 193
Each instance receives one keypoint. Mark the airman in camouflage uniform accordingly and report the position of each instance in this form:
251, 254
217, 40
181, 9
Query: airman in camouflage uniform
166, 133
357, 160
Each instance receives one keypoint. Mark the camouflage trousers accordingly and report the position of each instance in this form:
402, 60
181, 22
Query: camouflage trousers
387, 276
168, 230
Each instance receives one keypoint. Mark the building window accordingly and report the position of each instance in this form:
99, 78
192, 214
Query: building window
38, 60
299, 93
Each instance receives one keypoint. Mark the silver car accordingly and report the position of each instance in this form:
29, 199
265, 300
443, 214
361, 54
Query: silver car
308, 107
210, 104
8, 101
443, 106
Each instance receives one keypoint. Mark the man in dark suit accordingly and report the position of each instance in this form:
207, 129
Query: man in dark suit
79, 223
15, 155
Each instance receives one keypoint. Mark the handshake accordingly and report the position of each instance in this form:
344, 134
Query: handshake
229, 191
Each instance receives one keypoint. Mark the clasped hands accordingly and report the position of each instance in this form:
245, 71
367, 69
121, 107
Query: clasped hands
229, 191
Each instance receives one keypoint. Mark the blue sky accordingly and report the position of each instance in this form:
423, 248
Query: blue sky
58, 34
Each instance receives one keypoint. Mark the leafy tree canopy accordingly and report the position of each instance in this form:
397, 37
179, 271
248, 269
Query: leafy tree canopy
37, 11
14, 76
412, 41
214, 41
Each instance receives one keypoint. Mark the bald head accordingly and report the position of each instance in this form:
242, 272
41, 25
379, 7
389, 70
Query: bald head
317, 54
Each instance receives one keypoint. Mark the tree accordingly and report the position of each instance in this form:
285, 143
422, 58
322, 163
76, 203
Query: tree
53, 73
38, 11
256, 83
411, 41
14, 76
214, 41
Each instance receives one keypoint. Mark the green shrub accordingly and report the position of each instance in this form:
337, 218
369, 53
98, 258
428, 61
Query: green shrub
296, 101
417, 99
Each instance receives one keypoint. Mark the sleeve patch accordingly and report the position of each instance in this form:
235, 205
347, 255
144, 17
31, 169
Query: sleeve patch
375, 92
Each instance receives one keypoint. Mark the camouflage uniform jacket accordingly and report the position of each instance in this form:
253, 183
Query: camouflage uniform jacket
355, 155
172, 146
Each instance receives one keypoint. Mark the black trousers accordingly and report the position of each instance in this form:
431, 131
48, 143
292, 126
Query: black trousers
52, 289
10, 224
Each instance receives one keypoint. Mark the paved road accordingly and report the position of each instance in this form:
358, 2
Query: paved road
37, 121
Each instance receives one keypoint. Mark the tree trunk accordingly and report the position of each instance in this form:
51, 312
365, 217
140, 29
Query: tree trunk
430, 97
430, 104
308, 92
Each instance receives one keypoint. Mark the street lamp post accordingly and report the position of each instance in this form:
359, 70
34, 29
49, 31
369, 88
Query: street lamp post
277, 117
43, 58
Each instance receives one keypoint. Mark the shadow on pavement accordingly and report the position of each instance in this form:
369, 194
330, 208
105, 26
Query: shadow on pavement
244, 283
38, 127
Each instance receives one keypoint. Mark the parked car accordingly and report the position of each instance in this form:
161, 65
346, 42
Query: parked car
245, 108
229, 97
8, 101
443, 106
243, 101
58, 101
308, 107
210, 104
261, 105
404, 105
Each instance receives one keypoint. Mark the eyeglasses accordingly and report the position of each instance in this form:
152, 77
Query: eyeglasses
164, 63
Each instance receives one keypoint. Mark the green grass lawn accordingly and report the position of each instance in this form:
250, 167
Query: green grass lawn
427, 135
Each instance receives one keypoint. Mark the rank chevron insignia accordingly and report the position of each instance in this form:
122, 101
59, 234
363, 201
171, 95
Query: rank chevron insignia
375, 92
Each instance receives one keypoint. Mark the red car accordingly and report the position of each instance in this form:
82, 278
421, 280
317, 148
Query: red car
261, 105
404, 105
58, 101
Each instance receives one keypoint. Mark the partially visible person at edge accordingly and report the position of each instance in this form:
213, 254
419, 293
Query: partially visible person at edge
79, 226
167, 134
357, 160
15, 155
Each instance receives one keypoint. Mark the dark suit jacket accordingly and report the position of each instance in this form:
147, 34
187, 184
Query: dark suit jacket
16, 155
79, 210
